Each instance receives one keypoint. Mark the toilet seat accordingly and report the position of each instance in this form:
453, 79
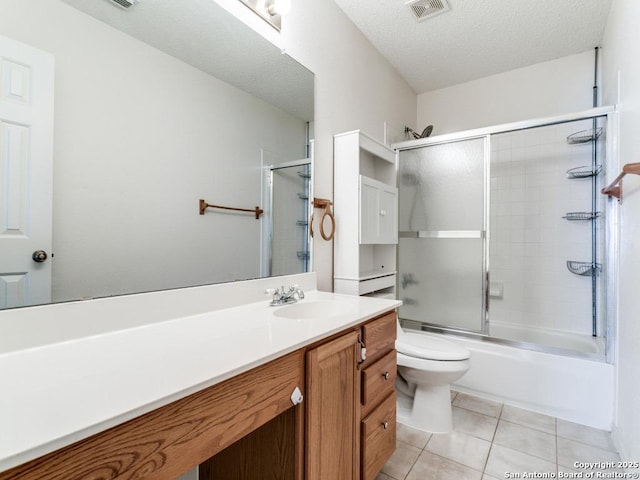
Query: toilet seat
429, 347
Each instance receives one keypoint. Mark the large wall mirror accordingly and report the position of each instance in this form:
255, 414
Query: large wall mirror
146, 111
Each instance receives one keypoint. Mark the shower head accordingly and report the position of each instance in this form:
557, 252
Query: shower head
425, 133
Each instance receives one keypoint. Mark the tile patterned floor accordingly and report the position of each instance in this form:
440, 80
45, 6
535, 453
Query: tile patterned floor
494, 441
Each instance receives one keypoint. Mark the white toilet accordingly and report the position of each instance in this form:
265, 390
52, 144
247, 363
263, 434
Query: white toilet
427, 365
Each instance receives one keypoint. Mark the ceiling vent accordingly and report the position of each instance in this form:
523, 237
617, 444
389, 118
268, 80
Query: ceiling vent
423, 9
124, 3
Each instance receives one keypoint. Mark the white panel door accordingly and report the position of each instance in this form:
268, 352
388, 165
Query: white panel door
26, 157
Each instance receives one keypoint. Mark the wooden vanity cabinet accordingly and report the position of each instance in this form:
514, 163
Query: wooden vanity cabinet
332, 410
272, 451
168, 441
351, 406
378, 399
247, 428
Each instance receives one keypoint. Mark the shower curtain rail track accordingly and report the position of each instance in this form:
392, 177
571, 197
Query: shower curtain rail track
506, 127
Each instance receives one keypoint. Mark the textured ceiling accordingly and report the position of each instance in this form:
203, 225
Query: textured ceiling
206, 36
477, 38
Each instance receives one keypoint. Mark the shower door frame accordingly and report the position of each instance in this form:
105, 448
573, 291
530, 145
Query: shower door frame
610, 268
482, 234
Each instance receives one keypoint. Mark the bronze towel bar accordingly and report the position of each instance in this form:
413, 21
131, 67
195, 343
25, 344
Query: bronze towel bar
204, 205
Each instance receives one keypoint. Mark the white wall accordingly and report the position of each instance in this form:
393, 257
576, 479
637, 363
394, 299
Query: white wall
542, 90
139, 138
621, 59
355, 89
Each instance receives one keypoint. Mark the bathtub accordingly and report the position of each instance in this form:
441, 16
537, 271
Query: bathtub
573, 342
576, 389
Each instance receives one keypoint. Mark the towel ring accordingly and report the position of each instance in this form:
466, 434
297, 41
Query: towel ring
326, 212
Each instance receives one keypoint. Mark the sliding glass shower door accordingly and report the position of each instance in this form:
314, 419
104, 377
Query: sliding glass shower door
442, 252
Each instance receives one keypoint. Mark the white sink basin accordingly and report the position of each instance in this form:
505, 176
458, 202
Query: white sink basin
314, 310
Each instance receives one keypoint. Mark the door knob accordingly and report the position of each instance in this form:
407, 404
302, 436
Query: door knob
39, 256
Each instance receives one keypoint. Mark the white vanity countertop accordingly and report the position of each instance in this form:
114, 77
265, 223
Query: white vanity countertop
54, 394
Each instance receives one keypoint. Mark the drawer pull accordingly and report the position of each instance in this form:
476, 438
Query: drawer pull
385, 425
386, 375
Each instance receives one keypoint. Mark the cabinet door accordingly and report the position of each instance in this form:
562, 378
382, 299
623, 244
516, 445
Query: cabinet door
332, 400
388, 215
378, 212
369, 206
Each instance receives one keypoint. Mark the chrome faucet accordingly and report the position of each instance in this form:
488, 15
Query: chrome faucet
285, 297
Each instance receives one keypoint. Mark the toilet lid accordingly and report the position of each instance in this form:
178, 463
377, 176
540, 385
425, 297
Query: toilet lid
430, 347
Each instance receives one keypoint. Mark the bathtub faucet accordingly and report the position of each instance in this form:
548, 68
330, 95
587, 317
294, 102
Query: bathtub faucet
407, 279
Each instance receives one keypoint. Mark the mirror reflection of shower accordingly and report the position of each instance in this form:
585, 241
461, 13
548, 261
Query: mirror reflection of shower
286, 229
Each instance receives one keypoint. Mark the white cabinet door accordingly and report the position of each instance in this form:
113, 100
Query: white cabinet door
388, 215
369, 204
378, 212
26, 156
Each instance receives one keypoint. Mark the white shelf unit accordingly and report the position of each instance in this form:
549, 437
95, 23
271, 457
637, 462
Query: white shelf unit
366, 213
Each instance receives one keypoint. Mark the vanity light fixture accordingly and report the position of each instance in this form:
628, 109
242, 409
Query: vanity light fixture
278, 7
270, 11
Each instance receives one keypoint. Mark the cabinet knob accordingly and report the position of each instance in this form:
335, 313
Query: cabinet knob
385, 425
383, 212
386, 375
296, 396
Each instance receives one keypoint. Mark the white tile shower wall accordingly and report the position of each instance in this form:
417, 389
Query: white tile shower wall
530, 242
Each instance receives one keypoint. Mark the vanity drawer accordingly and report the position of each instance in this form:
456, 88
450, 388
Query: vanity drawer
378, 431
379, 335
378, 380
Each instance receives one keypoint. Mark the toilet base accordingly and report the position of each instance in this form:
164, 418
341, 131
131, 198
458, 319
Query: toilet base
430, 410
